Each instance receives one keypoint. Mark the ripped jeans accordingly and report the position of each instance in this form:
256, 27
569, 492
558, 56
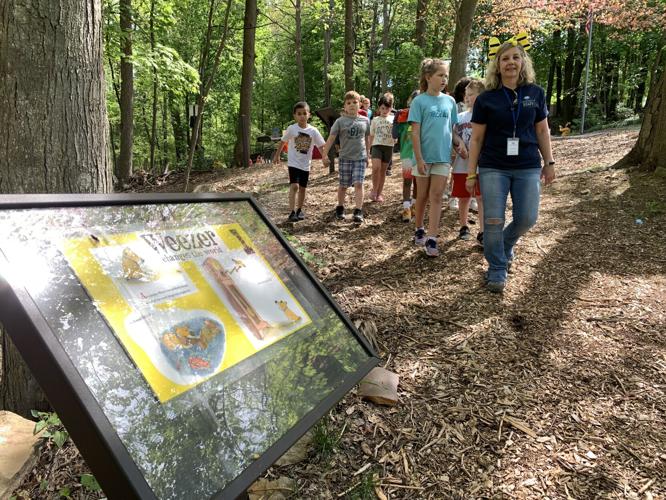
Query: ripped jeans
498, 240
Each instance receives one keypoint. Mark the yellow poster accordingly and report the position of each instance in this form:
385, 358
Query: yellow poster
186, 304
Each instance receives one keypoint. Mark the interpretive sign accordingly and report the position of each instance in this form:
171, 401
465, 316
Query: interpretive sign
183, 343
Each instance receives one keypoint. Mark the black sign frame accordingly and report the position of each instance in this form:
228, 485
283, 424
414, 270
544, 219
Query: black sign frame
100, 445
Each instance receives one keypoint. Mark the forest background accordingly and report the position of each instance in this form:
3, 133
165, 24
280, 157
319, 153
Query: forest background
256, 58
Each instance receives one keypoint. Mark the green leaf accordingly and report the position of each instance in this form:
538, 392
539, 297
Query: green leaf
59, 438
64, 492
39, 426
89, 482
43, 485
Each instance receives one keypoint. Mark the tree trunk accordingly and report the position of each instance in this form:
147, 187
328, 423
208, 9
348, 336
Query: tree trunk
386, 31
247, 74
558, 89
651, 144
569, 91
54, 136
153, 114
299, 51
327, 53
421, 8
126, 93
372, 48
464, 19
349, 45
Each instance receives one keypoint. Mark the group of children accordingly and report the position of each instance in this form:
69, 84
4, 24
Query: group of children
429, 130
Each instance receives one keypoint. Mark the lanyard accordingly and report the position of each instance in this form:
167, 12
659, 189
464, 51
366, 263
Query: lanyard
515, 113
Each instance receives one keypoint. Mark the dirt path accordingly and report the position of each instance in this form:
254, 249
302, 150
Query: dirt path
555, 389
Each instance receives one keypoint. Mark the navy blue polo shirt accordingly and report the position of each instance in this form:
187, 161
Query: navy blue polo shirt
493, 109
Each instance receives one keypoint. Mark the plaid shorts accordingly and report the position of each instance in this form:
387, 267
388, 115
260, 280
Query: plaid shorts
351, 172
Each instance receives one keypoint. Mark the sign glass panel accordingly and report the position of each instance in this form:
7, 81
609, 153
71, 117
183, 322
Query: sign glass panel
199, 336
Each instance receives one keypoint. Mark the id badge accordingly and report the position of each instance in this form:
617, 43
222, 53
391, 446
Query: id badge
512, 146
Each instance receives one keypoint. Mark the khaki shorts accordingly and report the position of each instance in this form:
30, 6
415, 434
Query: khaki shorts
442, 169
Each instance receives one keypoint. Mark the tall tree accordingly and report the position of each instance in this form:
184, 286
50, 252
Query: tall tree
55, 129
298, 45
207, 77
349, 45
328, 31
465, 10
126, 92
241, 152
421, 9
651, 144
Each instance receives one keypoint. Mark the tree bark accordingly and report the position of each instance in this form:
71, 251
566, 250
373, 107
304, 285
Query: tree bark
54, 136
153, 114
372, 48
327, 52
421, 8
386, 39
247, 74
651, 144
298, 38
349, 45
126, 92
464, 19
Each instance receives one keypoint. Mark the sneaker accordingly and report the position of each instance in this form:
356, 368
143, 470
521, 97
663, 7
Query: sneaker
358, 215
388, 171
420, 237
464, 234
473, 205
292, 217
431, 247
479, 238
495, 286
406, 214
340, 212
453, 203
300, 214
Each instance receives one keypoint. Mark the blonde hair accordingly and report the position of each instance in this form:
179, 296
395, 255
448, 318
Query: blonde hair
476, 85
493, 79
352, 95
429, 67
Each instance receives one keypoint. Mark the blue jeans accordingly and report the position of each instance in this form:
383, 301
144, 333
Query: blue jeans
498, 240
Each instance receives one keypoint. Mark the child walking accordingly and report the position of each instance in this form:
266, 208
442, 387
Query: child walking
353, 130
464, 129
402, 130
381, 142
432, 115
301, 138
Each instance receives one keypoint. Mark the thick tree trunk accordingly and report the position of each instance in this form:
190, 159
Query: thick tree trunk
349, 45
421, 8
464, 19
126, 93
247, 75
651, 144
54, 135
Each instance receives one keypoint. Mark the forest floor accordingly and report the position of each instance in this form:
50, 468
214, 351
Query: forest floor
554, 389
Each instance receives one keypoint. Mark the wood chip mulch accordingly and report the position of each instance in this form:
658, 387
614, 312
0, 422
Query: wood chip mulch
555, 389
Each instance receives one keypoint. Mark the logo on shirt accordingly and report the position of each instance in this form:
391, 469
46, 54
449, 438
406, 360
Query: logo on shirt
302, 142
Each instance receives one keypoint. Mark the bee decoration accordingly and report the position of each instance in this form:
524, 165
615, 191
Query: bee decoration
521, 39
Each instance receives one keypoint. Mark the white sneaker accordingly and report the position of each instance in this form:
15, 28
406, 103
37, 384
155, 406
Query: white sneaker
473, 205
453, 203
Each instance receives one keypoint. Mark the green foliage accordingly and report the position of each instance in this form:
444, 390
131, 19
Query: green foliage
324, 440
89, 482
365, 490
51, 427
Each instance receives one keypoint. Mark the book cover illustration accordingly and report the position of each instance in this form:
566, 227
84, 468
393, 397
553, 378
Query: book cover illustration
185, 304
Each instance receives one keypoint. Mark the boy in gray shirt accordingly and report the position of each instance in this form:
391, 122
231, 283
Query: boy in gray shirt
353, 130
